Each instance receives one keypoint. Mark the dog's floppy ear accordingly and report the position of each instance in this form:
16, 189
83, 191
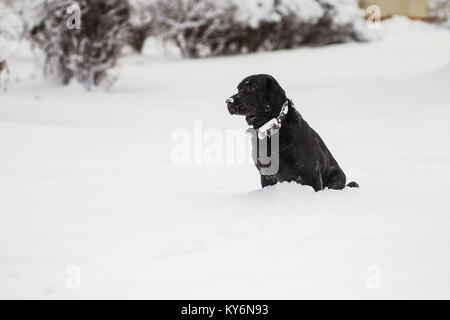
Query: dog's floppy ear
275, 95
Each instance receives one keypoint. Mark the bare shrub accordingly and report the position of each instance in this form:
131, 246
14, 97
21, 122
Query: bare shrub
209, 28
85, 53
4, 75
140, 24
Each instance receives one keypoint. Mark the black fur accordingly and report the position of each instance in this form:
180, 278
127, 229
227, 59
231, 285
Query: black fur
304, 157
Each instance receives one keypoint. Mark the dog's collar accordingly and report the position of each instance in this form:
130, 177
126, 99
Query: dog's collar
268, 129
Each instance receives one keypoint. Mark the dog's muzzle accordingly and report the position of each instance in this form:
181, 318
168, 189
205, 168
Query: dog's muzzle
230, 104
233, 104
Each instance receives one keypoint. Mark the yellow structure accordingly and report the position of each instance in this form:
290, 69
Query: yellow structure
417, 9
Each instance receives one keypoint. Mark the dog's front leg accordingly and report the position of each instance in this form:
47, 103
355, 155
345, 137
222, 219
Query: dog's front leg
317, 182
268, 181
313, 179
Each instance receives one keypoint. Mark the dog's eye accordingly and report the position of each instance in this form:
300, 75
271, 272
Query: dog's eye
251, 88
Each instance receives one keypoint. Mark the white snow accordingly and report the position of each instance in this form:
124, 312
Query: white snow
89, 192
255, 11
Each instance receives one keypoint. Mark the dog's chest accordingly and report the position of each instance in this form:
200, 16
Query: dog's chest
278, 151
285, 152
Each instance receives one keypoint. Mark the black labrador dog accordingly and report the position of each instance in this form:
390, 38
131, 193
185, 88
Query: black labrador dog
303, 156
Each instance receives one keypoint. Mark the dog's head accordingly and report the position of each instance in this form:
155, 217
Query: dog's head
259, 99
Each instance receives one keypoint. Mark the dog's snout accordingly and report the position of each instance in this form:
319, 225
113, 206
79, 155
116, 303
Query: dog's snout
231, 104
232, 100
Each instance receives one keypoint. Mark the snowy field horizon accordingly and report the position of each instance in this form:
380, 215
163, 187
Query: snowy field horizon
85, 197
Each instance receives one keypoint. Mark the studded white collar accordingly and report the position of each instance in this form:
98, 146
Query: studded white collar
268, 129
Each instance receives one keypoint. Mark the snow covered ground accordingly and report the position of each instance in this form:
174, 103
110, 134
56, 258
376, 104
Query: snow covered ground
92, 204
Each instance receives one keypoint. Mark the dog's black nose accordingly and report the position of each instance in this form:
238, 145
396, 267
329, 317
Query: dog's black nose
230, 104
229, 101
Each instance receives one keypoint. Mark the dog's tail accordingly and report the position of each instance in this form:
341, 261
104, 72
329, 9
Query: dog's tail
353, 184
